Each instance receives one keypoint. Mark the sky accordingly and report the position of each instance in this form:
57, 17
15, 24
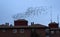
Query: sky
8, 8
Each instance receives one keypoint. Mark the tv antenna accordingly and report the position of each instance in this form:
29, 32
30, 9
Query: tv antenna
51, 14
58, 18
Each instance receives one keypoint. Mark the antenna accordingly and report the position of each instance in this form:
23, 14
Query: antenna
51, 14
58, 18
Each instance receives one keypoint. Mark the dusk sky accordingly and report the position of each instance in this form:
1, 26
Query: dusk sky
8, 8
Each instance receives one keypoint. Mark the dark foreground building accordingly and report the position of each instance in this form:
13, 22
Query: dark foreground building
21, 29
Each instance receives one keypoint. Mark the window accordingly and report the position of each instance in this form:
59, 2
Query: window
3, 30
14, 30
52, 32
47, 30
21, 30
33, 30
57, 31
47, 36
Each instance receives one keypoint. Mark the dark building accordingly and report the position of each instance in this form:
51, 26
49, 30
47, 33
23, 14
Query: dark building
21, 22
15, 32
53, 25
39, 30
54, 30
21, 29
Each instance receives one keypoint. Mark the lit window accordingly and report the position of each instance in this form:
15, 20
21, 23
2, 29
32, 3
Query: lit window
52, 32
14, 30
21, 30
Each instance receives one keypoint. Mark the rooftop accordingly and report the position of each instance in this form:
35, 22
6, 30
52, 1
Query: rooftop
20, 20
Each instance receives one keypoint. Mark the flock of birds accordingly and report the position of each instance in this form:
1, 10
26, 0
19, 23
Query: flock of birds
31, 11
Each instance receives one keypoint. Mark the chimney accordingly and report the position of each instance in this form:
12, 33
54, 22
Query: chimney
21, 22
11, 25
32, 23
7, 24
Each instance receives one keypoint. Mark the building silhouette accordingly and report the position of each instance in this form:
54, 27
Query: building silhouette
21, 29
